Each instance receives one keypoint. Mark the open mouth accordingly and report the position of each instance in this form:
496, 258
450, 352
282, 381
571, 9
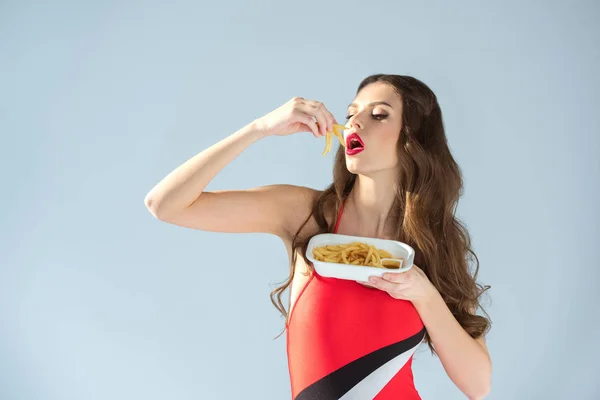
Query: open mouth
354, 144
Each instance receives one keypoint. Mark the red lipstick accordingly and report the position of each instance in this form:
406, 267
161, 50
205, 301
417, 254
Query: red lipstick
354, 144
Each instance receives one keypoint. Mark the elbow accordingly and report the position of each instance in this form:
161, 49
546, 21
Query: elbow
480, 392
159, 208
152, 205
480, 396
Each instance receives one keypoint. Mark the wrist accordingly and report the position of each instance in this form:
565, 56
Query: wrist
429, 300
256, 128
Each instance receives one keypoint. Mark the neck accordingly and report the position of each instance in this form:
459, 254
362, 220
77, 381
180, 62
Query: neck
370, 202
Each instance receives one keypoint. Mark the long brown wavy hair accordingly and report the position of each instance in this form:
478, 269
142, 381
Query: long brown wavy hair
428, 188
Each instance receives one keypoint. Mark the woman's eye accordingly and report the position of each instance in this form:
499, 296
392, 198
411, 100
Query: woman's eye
375, 116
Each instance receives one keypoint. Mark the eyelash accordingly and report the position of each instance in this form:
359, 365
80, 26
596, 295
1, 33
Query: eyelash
375, 116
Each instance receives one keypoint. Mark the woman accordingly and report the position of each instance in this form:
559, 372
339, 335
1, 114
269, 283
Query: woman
346, 339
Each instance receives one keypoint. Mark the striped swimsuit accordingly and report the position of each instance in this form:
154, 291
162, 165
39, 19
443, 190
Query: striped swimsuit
347, 341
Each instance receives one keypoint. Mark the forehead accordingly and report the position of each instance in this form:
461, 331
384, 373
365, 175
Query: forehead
376, 92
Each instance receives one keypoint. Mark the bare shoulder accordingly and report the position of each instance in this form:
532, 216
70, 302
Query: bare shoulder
299, 218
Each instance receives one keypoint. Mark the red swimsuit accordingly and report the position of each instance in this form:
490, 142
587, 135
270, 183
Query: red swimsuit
346, 341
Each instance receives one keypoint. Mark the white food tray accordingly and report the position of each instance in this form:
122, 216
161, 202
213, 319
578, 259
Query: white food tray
358, 272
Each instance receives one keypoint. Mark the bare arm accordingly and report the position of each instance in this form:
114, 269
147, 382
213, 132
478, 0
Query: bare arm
180, 197
466, 360
180, 189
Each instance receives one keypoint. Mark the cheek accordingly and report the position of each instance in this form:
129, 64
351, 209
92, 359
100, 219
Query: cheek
395, 136
389, 143
392, 139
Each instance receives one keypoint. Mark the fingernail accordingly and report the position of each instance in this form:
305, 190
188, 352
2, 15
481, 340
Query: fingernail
372, 280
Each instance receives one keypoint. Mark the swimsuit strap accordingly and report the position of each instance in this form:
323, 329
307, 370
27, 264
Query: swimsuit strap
339, 217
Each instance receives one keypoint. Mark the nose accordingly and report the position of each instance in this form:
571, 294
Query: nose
355, 123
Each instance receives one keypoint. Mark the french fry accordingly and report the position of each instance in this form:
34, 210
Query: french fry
319, 253
344, 257
327, 143
337, 131
356, 253
340, 137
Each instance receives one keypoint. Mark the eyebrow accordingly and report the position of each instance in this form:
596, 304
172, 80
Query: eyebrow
371, 104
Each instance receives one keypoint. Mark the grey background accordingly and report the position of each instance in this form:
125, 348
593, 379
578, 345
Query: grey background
100, 100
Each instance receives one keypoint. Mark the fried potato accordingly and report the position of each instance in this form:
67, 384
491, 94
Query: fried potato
337, 131
356, 253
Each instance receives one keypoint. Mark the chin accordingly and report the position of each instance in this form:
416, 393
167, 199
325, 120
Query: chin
355, 168
363, 167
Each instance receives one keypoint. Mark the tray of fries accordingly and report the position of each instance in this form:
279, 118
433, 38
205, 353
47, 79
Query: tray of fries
356, 257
